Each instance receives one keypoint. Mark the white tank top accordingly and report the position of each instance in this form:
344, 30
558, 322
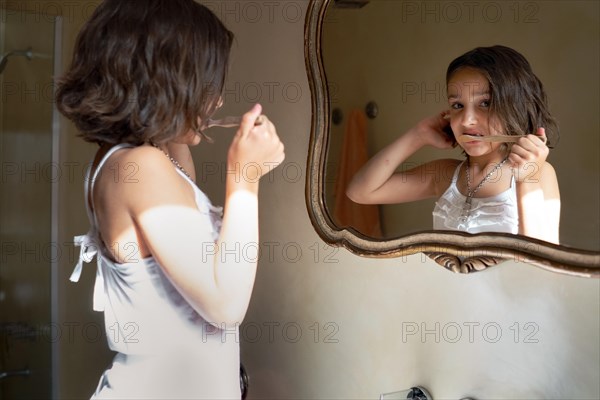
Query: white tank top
488, 214
151, 325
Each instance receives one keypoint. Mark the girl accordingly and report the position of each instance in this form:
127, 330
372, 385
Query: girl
145, 78
500, 187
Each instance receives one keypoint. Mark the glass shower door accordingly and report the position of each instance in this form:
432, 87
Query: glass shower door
27, 334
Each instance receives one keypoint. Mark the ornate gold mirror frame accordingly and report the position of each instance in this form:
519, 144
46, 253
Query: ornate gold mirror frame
456, 251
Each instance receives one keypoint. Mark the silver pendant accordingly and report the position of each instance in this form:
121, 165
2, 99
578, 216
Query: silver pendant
466, 210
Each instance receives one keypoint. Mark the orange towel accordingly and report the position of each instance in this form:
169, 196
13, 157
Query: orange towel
354, 154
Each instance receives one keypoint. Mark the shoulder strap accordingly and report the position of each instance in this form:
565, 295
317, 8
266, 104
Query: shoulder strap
88, 188
456, 172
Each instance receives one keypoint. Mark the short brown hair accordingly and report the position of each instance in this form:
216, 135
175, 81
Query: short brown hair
145, 70
517, 95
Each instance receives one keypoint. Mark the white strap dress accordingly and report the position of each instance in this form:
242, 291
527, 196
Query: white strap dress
498, 213
165, 349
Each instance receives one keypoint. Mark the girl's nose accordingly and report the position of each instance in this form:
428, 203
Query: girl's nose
469, 117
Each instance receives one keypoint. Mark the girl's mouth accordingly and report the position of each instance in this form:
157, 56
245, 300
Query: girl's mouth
469, 137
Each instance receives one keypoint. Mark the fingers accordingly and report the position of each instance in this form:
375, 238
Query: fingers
278, 159
268, 137
531, 148
255, 123
263, 134
539, 139
256, 126
257, 143
250, 119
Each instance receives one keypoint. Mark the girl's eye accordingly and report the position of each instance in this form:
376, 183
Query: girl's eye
456, 106
485, 103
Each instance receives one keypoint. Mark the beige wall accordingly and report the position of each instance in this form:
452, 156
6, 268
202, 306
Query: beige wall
352, 312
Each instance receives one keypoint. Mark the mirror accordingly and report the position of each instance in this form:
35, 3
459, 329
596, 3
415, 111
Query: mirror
389, 58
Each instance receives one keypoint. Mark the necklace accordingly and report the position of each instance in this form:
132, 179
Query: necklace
174, 161
470, 193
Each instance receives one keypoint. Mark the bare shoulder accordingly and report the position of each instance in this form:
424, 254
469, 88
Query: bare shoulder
548, 170
146, 164
548, 175
143, 175
436, 175
445, 169
548, 180
447, 164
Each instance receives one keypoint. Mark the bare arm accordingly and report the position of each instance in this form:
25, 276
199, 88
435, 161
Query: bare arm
539, 206
216, 278
538, 195
377, 182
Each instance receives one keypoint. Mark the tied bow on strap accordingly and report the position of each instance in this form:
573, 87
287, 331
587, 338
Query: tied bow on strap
89, 250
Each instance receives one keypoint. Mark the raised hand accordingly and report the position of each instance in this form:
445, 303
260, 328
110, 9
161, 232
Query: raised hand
256, 148
527, 157
434, 131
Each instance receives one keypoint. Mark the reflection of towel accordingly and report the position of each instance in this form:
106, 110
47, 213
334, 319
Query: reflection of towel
363, 218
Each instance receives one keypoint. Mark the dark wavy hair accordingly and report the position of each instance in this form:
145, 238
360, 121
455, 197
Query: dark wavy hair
518, 98
145, 70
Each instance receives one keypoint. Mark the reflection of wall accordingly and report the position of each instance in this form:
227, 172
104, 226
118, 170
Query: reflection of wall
396, 53
356, 76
